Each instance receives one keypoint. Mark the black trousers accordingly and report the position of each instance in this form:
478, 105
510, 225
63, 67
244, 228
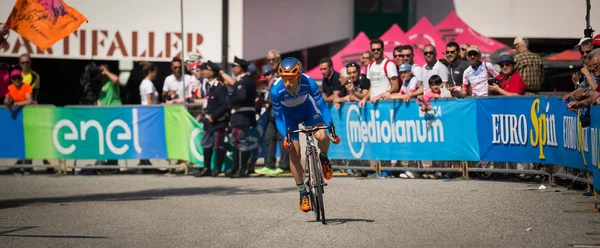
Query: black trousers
272, 139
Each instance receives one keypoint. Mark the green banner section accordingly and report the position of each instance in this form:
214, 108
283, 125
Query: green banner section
183, 135
37, 127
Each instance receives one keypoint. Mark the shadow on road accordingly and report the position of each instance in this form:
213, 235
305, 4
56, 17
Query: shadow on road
142, 195
17, 229
344, 221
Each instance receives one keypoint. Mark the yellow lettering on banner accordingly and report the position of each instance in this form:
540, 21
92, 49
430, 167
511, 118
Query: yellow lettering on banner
539, 128
580, 139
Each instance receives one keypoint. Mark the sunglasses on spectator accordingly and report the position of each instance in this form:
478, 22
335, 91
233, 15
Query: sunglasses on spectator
472, 54
586, 52
451, 52
272, 60
428, 53
25, 62
505, 65
176, 67
376, 49
463, 49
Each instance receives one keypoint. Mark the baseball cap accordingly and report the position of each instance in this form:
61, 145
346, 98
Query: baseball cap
581, 41
266, 69
519, 40
596, 40
15, 73
473, 48
404, 67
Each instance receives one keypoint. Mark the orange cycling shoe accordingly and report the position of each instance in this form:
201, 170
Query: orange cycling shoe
326, 164
304, 203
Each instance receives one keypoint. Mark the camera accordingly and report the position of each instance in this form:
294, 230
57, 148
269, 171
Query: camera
493, 81
93, 70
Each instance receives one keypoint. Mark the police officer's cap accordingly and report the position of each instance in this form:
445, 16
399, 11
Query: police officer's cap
212, 66
241, 62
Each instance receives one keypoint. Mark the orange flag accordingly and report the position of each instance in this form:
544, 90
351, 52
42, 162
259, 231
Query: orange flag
34, 22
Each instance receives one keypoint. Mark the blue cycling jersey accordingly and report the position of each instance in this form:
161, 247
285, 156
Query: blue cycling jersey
306, 106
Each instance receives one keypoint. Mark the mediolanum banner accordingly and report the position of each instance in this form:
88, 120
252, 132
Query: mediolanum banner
135, 30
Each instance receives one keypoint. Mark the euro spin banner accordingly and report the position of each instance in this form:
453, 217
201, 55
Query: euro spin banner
530, 129
401, 131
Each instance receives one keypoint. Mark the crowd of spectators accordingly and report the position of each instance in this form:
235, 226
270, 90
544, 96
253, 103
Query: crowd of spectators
231, 104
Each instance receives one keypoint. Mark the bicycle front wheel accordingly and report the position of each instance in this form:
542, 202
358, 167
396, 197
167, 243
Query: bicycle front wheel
318, 189
311, 189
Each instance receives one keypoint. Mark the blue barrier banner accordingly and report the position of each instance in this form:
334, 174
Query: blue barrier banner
400, 131
11, 131
595, 145
530, 129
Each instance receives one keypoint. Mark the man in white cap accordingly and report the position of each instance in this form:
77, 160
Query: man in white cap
529, 65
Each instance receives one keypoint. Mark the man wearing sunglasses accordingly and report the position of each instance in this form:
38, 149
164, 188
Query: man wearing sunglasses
584, 80
463, 51
29, 76
584, 97
382, 73
476, 77
509, 81
456, 67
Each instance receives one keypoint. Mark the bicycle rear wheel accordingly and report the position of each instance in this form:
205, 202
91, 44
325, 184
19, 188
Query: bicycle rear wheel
318, 180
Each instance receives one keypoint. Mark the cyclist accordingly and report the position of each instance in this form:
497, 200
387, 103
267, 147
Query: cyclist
296, 98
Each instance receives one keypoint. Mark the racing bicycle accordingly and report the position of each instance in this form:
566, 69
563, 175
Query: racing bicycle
316, 181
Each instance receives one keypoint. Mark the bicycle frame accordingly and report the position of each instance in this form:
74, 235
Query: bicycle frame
311, 150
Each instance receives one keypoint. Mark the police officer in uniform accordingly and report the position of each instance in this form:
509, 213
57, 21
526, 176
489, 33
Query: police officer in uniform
215, 121
243, 114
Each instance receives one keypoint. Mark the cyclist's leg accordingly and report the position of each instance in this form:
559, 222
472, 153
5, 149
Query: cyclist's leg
295, 162
294, 153
296, 166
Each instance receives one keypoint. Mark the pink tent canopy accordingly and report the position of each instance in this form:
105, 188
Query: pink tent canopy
452, 28
424, 33
350, 53
392, 38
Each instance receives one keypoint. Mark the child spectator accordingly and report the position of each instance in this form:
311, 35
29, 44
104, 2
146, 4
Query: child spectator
408, 86
436, 85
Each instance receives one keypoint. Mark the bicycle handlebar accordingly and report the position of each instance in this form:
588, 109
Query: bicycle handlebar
334, 138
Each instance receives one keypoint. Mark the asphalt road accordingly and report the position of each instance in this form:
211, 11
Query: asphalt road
168, 211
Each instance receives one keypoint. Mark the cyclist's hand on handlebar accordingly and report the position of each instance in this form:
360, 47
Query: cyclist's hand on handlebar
335, 139
287, 144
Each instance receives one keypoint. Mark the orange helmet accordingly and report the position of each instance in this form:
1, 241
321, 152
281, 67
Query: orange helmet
290, 68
